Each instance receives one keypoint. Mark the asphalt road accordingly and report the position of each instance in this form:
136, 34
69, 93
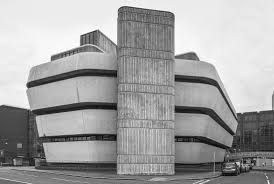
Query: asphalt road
8, 176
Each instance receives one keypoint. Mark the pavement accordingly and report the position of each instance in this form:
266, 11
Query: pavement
111, 174
252, 177
265, 168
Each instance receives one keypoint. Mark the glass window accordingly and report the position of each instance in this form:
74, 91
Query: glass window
19, 146
99, 137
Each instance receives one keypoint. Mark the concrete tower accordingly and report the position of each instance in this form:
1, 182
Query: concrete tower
145, 128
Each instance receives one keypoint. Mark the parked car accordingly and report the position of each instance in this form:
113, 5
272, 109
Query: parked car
230, 168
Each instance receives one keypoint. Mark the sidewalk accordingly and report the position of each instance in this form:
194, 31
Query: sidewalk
106, 174
266, 168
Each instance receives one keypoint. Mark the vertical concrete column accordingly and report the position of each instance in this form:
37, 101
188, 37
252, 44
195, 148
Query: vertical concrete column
145, 129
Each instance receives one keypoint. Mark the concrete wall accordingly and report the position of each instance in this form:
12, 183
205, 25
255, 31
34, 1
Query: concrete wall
86, 60
74, 90
189, 94
90, 121
105, 61
197, 153
200, 69
201, 125
71, 91
81, 152
93, 89
104, 122
105, 152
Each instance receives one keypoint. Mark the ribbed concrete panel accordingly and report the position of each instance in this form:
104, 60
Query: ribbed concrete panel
145, 92
98, 38
197, 153
200, 69
74, 90
87, 60
90, 121
207, 96
201, 125
81, 152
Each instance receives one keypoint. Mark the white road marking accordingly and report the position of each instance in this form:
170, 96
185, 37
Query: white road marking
17, 181
201, 181
204, 182
267, 180
197, 182
74, 181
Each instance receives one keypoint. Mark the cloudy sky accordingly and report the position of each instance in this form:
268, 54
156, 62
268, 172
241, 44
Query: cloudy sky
237, 36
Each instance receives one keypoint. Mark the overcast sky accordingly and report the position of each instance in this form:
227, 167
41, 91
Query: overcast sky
237, 36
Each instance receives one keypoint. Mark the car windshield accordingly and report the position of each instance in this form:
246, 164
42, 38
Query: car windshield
229, 164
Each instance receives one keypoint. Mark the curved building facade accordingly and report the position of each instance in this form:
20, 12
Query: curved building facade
139, 107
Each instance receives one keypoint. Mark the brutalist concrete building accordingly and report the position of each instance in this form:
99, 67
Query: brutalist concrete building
135, 104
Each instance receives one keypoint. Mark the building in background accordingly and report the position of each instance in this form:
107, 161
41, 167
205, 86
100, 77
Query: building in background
255, 137
34, 143
18, 135
134, 105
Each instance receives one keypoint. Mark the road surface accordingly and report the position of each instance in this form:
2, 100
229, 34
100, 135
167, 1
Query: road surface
10, 176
